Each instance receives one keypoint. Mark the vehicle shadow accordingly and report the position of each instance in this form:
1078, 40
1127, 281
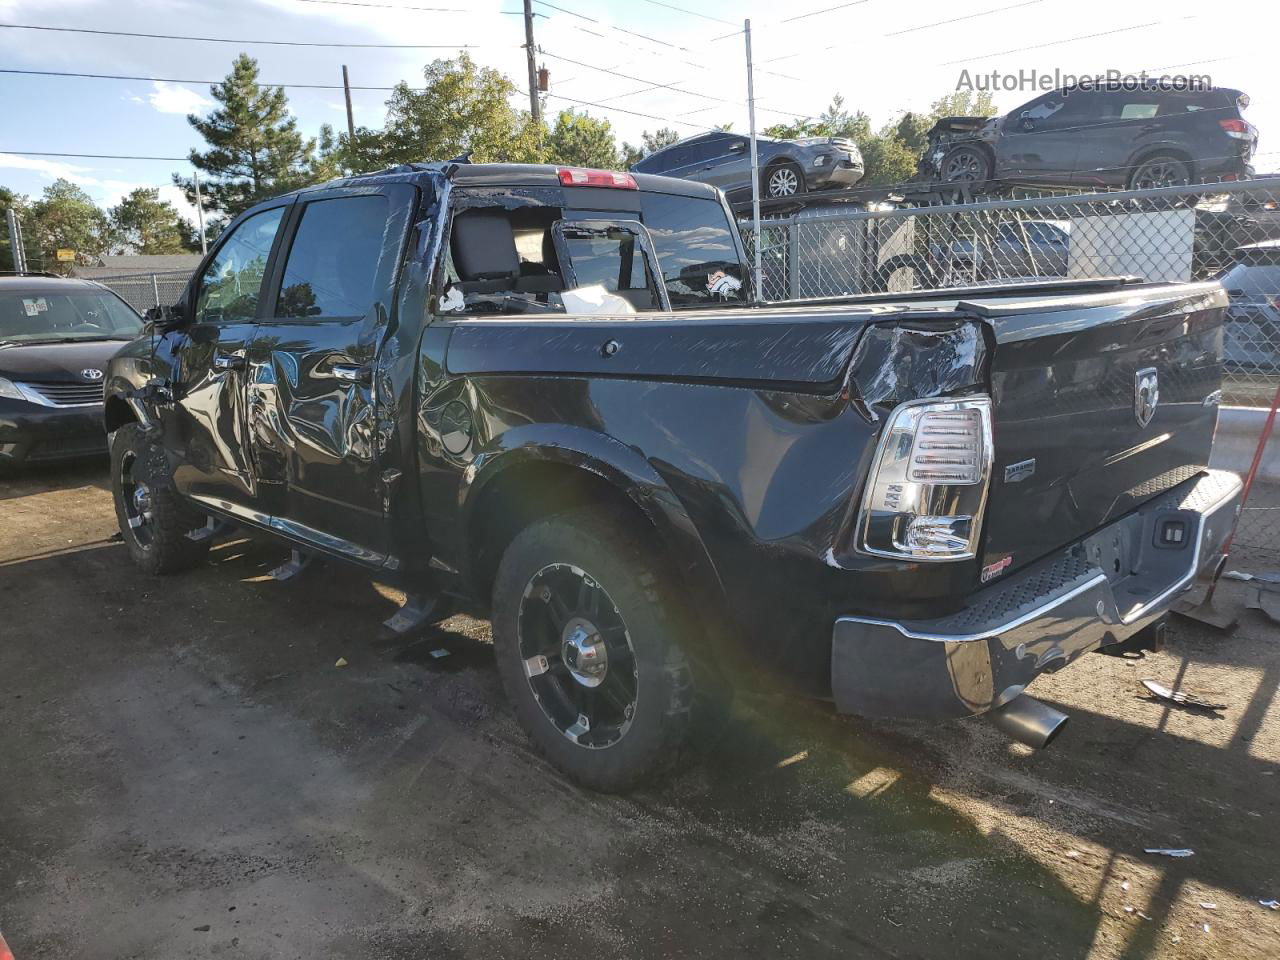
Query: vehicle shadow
40, 478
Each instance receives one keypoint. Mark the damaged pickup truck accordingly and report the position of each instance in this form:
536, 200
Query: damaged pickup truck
546, 391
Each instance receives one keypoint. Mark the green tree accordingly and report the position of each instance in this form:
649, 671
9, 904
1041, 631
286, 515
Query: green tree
143, 223
582, 141
65, 217
964, 103
887, 160
462, 108
913, 130
649, 143
255, 149
9, 200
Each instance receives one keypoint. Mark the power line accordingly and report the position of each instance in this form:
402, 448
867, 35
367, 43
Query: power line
1055, 43
117, 76
386, 6
692, 13
306, 86
272, 43
971, 16
91, 156
814, 13
652, 85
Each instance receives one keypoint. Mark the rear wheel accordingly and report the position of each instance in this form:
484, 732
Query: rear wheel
784, 180
154, 520
1162, 171
590, 638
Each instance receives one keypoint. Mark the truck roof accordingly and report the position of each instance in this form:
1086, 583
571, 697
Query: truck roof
509, 175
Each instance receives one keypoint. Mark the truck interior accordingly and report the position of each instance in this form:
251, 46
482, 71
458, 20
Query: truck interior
525, 259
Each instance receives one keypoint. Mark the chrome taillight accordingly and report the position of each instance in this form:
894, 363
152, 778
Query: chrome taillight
928, 484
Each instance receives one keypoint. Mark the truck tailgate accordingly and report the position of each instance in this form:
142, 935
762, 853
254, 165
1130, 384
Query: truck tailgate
1100, 403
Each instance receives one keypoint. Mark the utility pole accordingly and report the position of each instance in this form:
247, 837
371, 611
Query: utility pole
204, 247
530, 50
15, 242
351, 123
755, 169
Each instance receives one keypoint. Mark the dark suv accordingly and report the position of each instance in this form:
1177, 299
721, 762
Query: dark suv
1133, 139
787, 167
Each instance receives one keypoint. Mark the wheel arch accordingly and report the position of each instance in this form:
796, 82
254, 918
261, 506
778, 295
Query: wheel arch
117, 410
1151, 151
550, 470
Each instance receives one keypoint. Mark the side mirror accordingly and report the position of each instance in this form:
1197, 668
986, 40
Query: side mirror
163, 318
738, 146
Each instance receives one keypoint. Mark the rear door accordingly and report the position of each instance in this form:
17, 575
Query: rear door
208, 429
312, 389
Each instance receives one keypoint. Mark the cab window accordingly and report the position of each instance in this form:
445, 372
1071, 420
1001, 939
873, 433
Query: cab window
697, 253
230, 286
332, 267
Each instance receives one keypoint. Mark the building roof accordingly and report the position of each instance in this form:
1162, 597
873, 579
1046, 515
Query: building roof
116, 266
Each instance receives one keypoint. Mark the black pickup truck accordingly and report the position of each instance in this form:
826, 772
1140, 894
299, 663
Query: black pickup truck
547, 391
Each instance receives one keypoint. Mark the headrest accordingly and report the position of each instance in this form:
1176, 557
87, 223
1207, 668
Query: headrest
484, 246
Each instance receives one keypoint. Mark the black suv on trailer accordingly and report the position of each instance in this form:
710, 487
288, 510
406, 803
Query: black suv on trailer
545, 390
56, 336
1132, 139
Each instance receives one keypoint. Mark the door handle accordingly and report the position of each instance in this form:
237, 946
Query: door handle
228, 361
350, 373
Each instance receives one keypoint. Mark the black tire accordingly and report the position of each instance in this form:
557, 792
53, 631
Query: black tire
640, 712
154, 519
1163, 170
782, 180
923, 273
965, 164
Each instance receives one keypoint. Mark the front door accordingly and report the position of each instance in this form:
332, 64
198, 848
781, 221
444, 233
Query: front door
313, 398
207, 429
1040, 141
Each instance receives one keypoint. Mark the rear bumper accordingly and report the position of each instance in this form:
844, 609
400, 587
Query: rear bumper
30, 434
1100, 590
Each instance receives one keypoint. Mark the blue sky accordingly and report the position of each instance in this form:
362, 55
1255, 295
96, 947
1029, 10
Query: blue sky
801, 60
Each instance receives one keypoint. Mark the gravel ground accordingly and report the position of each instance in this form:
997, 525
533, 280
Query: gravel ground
184, 772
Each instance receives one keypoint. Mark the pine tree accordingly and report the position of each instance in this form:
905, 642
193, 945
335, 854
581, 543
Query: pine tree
255, 149
143, 223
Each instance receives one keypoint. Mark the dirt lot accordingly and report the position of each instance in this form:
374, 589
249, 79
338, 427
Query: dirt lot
185, 773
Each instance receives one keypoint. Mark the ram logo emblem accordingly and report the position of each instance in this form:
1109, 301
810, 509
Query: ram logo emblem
1146, 395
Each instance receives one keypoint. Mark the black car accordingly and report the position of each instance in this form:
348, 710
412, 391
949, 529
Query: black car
1252, 338
787, 167
56, 336
1132, 139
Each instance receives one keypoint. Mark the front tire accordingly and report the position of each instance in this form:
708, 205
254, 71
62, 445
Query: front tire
591, 637
784, 180
154, 519
968, 164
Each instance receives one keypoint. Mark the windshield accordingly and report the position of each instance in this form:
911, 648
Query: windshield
41, 316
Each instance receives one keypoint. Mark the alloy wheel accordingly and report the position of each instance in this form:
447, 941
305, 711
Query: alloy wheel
783, 182
578, 656
1160, 173
964, 166
136, 494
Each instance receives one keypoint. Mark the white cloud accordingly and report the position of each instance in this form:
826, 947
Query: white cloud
45, 167
170, 98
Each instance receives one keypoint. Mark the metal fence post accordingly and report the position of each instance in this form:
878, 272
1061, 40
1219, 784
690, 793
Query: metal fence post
793, 260
155, 288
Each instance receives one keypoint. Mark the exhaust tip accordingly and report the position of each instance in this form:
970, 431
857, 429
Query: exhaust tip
1029, 721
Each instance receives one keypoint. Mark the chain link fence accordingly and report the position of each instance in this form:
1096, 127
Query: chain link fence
1228, 231
143, 291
